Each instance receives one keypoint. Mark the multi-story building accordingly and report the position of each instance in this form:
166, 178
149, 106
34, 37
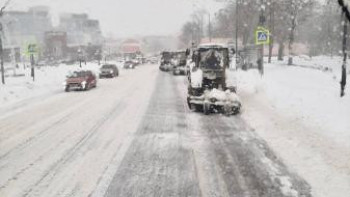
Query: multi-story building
55, 45
81, 31
23, 27
83, 34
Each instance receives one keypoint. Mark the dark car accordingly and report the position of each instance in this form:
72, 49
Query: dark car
109, 70
81, 80
129, 64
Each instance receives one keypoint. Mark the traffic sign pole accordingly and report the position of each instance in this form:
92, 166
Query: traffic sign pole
32, 66
260, 34
31, 50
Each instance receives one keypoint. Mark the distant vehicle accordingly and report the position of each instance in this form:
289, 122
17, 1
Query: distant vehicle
140, 59
80, 80
166, 61
179, 65
152, 60
209, 89
68, 61
136, 62
129, 64
109, 71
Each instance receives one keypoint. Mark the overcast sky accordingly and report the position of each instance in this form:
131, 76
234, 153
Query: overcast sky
124, 18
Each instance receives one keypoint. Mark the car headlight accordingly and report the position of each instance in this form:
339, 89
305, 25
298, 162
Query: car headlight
213, 100
64, 83
83, 83
111, 71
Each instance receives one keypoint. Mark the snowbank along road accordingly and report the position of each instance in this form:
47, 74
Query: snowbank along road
134, 136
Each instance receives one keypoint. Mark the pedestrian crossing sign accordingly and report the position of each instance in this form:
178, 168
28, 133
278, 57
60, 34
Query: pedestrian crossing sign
262, 36
31, 48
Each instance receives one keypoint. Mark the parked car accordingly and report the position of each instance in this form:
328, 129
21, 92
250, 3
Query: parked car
109, 70
129, 65
80, 80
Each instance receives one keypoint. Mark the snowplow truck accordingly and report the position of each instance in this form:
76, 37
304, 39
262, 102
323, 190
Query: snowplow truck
165, 62
208, 90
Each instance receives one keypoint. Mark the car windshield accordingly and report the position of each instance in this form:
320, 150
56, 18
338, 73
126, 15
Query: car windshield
77, 74
180, 56
212, 59
166, 56
107, 67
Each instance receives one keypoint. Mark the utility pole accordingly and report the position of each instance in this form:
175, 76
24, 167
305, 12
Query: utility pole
209, 28
345, 20
272, 29
343, 75
261, 49
80, 56
236, 32
32, 50
1, 47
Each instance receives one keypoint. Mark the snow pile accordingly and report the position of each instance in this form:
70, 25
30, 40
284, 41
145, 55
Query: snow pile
299, 112
217, 94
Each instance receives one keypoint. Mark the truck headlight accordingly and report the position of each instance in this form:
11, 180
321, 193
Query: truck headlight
213, 100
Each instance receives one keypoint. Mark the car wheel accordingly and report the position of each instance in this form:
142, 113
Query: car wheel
228, 110
86, 87
67, 88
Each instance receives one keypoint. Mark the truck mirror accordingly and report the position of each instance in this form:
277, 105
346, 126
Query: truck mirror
187, 52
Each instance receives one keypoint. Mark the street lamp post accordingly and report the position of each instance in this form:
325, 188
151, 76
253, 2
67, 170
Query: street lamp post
261, 49
79, 56
98, 56
343, 76
2, 59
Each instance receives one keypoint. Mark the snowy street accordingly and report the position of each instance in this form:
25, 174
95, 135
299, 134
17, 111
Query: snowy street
175, 98
133, 137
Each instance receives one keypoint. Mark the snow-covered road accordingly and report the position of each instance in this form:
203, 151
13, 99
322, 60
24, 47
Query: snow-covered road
134, 136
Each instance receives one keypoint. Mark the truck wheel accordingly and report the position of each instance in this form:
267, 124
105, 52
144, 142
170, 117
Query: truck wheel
188, 103
228, 110
206, 108
236, 110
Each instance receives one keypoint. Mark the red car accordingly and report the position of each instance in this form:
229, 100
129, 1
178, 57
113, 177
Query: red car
81, 80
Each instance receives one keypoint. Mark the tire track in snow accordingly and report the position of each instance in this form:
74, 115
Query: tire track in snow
86, 137
68, 155
66, 187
